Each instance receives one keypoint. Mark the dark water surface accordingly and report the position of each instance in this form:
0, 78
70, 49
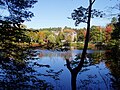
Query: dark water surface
47, 70
93, 76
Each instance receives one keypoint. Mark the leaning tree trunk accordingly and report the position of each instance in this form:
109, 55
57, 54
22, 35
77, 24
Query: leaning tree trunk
87, 34
76, 70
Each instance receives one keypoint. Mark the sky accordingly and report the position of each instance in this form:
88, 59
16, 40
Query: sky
54, 13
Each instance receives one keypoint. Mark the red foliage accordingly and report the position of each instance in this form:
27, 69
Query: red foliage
108, 29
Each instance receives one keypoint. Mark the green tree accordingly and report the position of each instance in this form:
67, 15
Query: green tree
69, 38
10, 36
51, 38
10, 31
32, 36
47, 33
59, 38
81, 34
18, 10
114, 20
115, 35
97, 34
41, 37
116, 31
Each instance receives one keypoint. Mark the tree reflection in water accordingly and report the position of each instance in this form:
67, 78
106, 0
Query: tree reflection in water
88, 78
22, 75
74, 72
45, 69
19, 76
113, 63
16, 70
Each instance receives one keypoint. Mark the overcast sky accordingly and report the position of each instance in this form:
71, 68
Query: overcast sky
54, 13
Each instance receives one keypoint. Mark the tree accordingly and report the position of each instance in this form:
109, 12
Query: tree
108, 30
59, 38
17, 9
41, 37
114, 56
51, 38
97, 34
84, 15
11, 32
81, 34
114, 20
116, 32
115, 35
69, 38
10, 36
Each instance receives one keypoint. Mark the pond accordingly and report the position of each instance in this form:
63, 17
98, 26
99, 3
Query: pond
47, 70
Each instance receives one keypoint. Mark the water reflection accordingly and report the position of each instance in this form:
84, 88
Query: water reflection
19, 76
115, 74
70, 59
57, 70
77, 67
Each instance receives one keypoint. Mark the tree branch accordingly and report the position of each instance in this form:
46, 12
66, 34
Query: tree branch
93, 2
68, 65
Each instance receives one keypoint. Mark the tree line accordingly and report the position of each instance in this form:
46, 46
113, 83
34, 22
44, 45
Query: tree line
59, 36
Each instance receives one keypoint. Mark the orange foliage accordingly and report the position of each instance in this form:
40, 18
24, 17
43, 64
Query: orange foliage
41, 34
68, 30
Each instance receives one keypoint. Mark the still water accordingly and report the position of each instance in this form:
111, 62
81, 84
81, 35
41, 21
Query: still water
47, 70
